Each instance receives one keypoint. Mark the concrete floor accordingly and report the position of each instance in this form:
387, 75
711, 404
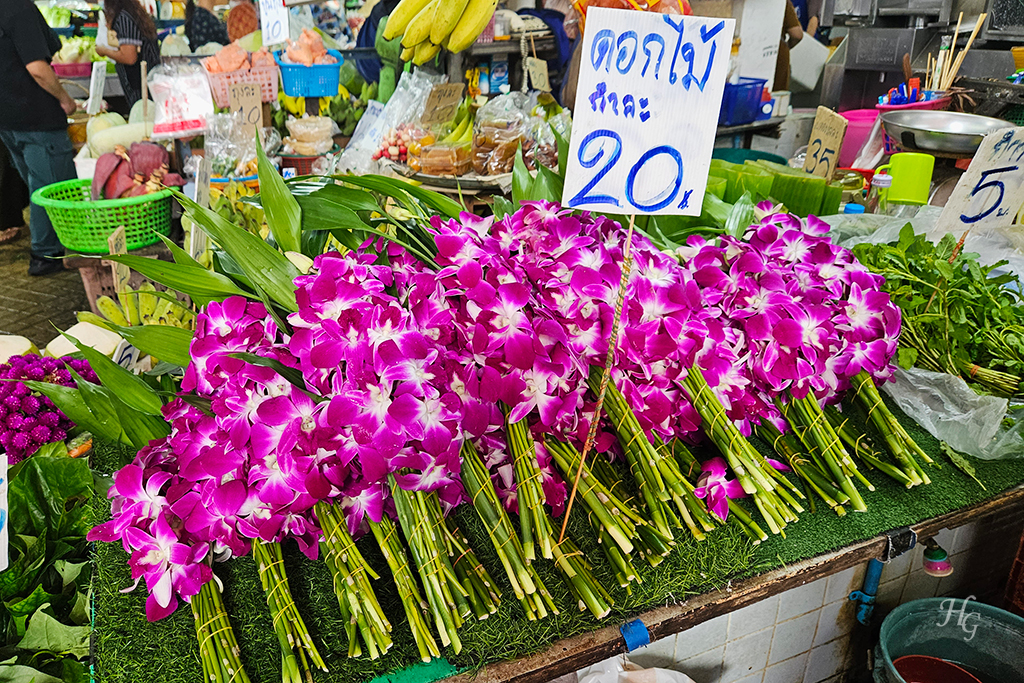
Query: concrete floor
28, 305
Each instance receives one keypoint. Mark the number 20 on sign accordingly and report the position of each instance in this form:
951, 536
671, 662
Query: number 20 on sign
647, 105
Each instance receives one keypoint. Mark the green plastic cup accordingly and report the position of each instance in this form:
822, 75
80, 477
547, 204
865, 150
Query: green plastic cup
911, 177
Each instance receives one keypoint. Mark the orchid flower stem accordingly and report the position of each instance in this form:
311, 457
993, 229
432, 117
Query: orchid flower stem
589, 592
218, 648
391, 547
422, 524
292, 632
529, 489
900, 444
861, 448
351, 576
526, 584
653, 544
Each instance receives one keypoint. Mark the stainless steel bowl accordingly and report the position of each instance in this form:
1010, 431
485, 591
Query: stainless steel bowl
946, 132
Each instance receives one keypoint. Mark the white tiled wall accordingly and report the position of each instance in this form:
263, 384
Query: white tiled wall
804, 634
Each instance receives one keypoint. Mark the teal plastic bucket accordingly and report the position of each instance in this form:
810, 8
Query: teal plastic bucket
986, 641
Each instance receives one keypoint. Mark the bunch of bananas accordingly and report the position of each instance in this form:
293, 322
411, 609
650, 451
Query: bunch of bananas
144, 308
428, 25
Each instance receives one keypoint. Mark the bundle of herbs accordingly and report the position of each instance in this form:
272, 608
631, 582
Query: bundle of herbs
959, 316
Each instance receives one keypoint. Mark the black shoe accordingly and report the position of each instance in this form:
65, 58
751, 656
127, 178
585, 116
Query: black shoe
42, 265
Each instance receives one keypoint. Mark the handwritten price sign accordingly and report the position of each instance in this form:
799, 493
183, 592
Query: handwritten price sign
273, 21
647, 104
245, 98
826, 140
991, 192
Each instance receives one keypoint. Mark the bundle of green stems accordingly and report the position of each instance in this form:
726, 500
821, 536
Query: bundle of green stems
292, 634
690, 468
526, 584
809, 467
218, 647
772, 494
529, 489
808, 422
615, 522
657, 475
579, 576
860, 446
897, 440
351, 575
425, 533
394, 553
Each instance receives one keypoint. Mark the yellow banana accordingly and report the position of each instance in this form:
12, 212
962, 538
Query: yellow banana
90, 317
407, 54
147, 302
399, 19
111, 311
418, 29
446, 16
130, 306
425, 51
472, 24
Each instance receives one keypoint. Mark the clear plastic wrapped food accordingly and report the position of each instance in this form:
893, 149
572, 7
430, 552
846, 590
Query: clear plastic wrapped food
446, 159
500, 130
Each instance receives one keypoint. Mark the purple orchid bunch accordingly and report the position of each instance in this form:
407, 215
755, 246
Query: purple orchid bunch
28, 419
802, 314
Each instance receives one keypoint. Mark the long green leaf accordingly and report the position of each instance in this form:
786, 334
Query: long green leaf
70, 402
321, 213
181, 256
160, 341
284, 217
123, 384
357, 200
265, 266
563, 152
522, 180
199, 283
140, 428
502, 207
101, 405
393, 187
547, 184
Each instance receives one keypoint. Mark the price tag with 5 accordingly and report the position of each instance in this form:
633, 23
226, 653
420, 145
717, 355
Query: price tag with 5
648, 99
991, 192
826, 140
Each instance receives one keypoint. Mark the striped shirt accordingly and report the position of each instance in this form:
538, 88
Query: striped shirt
128, 33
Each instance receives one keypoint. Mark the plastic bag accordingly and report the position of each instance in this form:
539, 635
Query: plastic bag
310, 129
952, 412
621, 670
183, 101
499, 131
406, 105
229, 145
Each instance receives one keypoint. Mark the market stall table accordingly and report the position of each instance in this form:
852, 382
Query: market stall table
714, 576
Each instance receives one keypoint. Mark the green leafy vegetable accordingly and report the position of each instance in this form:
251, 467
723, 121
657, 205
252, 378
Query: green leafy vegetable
961, 462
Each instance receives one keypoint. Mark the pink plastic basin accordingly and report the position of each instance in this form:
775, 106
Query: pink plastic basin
857, 131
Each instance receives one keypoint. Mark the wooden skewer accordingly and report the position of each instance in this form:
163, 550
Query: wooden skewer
960, 58
928, 73
952, 50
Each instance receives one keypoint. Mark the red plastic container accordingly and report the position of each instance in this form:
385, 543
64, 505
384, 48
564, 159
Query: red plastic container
80, 70
924, 669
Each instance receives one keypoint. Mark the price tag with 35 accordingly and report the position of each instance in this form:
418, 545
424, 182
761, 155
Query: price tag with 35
826, 140
991, 192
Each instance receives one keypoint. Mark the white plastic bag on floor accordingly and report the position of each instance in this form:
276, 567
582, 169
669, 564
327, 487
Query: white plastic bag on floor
621, 670
952, 412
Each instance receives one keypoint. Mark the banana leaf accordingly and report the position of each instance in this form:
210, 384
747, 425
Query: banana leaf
122, 383
284, 216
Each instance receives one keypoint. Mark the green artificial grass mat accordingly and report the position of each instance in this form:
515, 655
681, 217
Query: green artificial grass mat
128, 649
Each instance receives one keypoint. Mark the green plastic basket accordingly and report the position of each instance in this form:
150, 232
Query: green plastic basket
84, 225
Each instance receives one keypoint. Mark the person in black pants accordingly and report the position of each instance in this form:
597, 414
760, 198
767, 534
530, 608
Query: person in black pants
13, 198
33, 118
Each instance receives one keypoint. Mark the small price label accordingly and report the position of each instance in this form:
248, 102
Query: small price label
273, 21
119, 245
245, 99
538, 70
96, 85
826, 140
990, 194
442, 102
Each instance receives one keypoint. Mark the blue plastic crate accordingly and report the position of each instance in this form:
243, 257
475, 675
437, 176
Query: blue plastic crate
741, 102
319, 80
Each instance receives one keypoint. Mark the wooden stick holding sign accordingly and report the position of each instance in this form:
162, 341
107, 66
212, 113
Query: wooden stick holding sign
826, 141
117, 243
145, 99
